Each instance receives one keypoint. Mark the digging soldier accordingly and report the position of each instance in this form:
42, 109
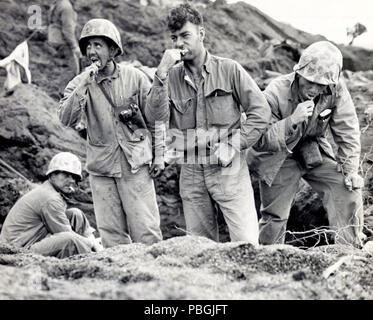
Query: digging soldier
40, 220
111, 98
198, 96
304, 104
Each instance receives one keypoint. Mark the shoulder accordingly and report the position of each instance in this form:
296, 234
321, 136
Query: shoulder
225, 64
282, 82
74, 82
41, 196
341, 89
223, 60
278, 89
127, 70
49, 193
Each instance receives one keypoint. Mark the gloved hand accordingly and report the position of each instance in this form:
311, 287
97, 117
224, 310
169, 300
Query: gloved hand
353, 181
224, 153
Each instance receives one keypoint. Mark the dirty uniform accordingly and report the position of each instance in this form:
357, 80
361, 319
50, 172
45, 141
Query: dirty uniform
39, 221
118, 155
279, 167
196, 107
62, 26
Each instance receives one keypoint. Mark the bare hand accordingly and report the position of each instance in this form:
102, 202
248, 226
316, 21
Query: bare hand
353, 181
97, 246
90, 73
169, 59
302, 111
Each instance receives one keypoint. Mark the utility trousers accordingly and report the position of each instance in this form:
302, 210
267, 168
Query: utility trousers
344, 208
126, 208
66, 244
204, 186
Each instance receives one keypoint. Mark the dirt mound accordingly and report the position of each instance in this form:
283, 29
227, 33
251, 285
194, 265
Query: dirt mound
188, 268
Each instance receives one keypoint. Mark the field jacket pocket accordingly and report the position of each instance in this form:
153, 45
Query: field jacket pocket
100, 158
183, 113
221, 108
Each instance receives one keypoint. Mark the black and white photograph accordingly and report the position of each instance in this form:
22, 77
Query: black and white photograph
187, 155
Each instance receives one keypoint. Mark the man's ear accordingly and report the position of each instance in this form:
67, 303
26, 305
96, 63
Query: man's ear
113, 51
202, 33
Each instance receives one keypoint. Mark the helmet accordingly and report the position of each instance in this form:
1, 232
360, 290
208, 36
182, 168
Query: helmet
100, 28
65, 161
321, 63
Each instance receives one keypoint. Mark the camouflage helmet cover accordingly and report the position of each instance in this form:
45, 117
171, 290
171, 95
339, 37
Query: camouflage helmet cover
100, 28
65, 161
321, 63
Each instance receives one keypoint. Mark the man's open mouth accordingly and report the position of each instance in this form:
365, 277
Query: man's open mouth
96, 61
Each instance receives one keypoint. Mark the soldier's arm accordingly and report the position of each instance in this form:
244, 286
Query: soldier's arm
281, 134
157, 102
55, 220
72, 105
144, 86
254, 104
344, 126
54, 217
157, 113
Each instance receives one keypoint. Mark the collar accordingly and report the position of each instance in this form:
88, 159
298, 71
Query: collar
115, 74
50, 185
207, 64
187, 73
293, 92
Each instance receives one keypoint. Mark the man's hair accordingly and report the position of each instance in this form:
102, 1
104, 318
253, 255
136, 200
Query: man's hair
180, 15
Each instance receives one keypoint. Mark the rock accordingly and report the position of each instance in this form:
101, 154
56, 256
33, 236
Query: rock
369, 247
